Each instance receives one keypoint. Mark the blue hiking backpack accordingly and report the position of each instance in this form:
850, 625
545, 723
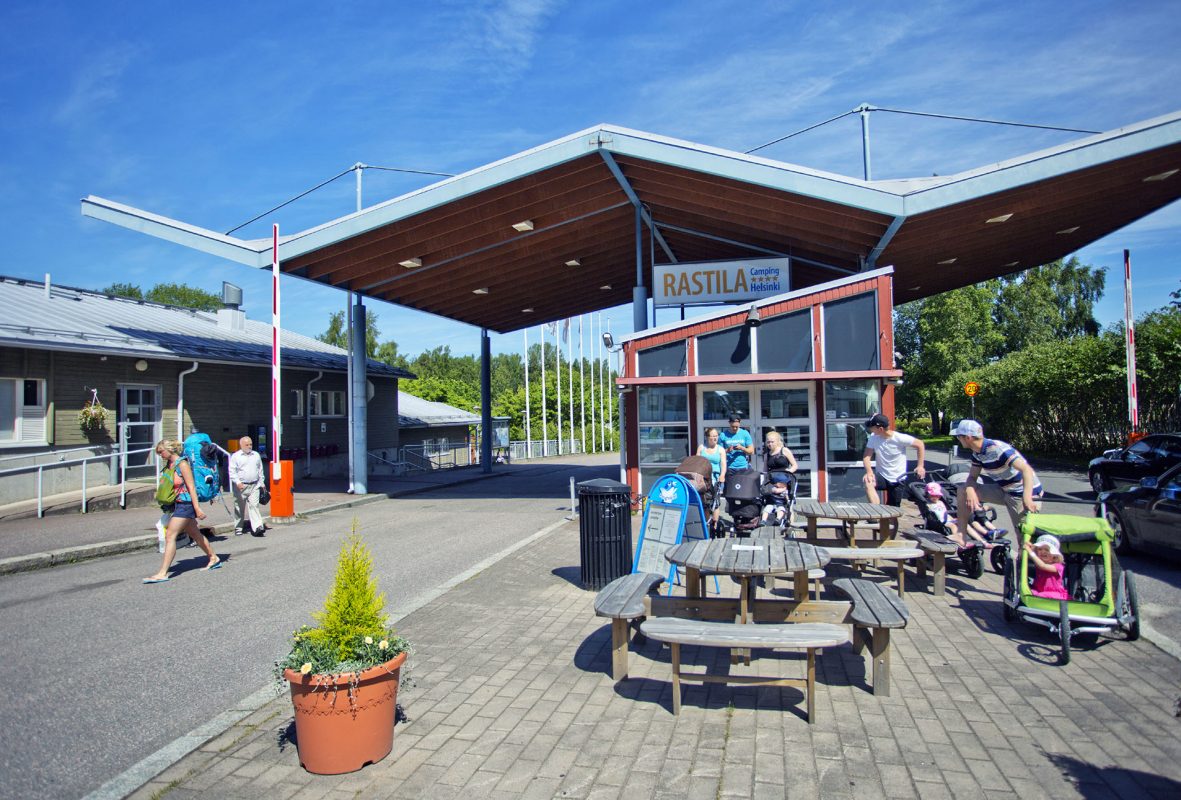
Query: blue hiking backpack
201, 453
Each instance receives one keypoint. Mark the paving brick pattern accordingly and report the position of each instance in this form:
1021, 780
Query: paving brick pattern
509, 696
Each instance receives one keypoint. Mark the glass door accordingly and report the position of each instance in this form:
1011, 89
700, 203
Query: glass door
139, 415
847, 405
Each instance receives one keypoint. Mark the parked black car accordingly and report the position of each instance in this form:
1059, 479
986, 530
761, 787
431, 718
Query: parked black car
1126, 466
1147, 516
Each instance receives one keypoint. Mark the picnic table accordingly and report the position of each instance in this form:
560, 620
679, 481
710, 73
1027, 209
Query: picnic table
849, 514
897, 552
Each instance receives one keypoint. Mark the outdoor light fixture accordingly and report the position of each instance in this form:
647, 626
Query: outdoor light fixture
1065, 231
948, 261
141, 366
411, 263
574, 262
753, 320
481, 290
608, 340
1160, 176
521, 227
1012, 263
526, 311
606, 287
915, 288
1001, 218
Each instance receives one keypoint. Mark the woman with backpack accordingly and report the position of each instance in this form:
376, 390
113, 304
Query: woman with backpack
185, 507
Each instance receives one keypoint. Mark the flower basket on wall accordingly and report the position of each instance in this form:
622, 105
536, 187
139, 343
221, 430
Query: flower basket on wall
92, 417
344, 673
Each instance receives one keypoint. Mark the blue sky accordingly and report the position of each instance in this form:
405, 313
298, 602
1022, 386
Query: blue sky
215, 113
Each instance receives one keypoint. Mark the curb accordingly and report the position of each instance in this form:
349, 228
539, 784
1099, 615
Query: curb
87, 552
146, 769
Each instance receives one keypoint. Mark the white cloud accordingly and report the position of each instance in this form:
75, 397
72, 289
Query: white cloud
96, 85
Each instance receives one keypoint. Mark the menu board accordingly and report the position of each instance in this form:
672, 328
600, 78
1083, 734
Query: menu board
673, 513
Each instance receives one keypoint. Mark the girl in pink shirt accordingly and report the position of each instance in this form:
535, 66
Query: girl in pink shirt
1046, 556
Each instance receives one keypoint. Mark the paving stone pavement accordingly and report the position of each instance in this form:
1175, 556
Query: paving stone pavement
509, 696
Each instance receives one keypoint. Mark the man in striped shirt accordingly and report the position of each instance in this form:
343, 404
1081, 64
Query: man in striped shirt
1016, 485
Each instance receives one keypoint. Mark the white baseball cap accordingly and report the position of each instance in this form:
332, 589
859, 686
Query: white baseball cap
968, 427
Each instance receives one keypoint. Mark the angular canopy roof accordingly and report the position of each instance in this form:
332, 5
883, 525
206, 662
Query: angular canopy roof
452, 249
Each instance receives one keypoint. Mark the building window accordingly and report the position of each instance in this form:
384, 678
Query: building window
725, 352
663, 430
847, 405
296, 403
22, 411
326, 404
657, 362
851, 334
785, 343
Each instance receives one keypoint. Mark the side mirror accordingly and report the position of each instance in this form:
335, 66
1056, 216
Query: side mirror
1148, 483
1170, 493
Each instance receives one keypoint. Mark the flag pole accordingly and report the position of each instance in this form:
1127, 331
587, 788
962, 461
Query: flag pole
1130, 345
276, 356
528, 432
581, 384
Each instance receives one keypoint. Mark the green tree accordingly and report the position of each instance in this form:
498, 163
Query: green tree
177, 294
337, 334
125, 290
1048, 303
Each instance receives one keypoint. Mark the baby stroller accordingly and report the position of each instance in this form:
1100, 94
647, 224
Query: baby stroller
790, 504
743, 492
996, 539
1103, 595
699, 472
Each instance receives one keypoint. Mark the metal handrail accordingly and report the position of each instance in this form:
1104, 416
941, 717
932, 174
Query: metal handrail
57, 452
117, 451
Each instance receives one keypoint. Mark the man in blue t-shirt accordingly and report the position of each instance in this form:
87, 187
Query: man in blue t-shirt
739, 447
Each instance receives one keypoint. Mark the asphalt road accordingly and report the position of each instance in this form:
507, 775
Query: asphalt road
100, 670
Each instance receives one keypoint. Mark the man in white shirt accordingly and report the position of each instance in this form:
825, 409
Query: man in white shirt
889, 449
246, 477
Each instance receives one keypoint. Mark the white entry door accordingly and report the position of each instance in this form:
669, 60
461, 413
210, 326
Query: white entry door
139, 413
786, 407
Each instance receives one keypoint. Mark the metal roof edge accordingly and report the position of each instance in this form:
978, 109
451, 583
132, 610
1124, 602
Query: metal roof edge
241, 251
760, 303
1129, 140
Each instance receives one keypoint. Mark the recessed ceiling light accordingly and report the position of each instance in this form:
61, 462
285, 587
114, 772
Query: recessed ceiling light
605, 287
948, 261
410, 263
574, 262
1001, 218
483, 290
1160, 176
1067, 230
915, 288
521, 227
1012, 263
526, 311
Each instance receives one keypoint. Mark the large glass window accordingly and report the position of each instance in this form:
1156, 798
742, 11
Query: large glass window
725, 352
663, 430
851, 334
785, 343
852, 399
784, 403
719, 404
657, 362
845, 441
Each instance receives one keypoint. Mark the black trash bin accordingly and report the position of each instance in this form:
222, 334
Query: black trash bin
605, 531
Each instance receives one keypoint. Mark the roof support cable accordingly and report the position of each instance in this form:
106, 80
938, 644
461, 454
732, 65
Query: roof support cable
355, 167
802, 130
981, 119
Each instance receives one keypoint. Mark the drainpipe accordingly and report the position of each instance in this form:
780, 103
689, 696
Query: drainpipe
180, 401
307, 416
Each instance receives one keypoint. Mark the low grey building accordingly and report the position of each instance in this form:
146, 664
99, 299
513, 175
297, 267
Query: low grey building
161, 371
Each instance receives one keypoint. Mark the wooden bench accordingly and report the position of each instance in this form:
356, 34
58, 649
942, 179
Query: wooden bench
889, 552
938, 547
808, 636
875, 611
622, 600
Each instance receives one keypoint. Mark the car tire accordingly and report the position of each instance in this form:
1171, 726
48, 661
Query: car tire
1122, 543
1099, 484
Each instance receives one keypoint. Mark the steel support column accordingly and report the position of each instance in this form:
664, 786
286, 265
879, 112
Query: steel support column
486, 401
360, 401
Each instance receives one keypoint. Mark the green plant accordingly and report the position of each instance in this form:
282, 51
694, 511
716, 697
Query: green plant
353, 631
93, 416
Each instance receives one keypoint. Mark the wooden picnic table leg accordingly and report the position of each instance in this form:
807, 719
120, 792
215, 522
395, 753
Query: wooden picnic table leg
810, 689
619, 637
692, 582
800, 589
879, 650
812, 528
939, 578
676, 659
744, 598
901, 578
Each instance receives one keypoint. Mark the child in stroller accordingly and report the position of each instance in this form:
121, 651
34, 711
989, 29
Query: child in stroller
777, 500
938, 516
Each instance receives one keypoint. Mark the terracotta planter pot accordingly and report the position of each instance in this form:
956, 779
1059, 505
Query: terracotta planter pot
337, 733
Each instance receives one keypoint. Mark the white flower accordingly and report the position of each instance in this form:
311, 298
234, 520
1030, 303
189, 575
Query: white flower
383, 644
368, 640
306, 668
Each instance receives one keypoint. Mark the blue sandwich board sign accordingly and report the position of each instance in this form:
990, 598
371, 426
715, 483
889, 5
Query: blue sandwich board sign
672, 514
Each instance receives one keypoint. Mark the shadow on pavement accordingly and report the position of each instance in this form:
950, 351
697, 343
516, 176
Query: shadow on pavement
1095, 782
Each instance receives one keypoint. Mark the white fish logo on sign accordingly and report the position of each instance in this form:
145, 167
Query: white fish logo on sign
668, 493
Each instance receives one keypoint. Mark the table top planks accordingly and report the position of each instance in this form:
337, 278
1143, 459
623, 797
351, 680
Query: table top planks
747, 556
847, 511
623, 598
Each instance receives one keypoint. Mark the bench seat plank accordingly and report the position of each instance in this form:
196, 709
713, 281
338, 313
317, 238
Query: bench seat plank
938, 547
875, 611
622, 600
732, 634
